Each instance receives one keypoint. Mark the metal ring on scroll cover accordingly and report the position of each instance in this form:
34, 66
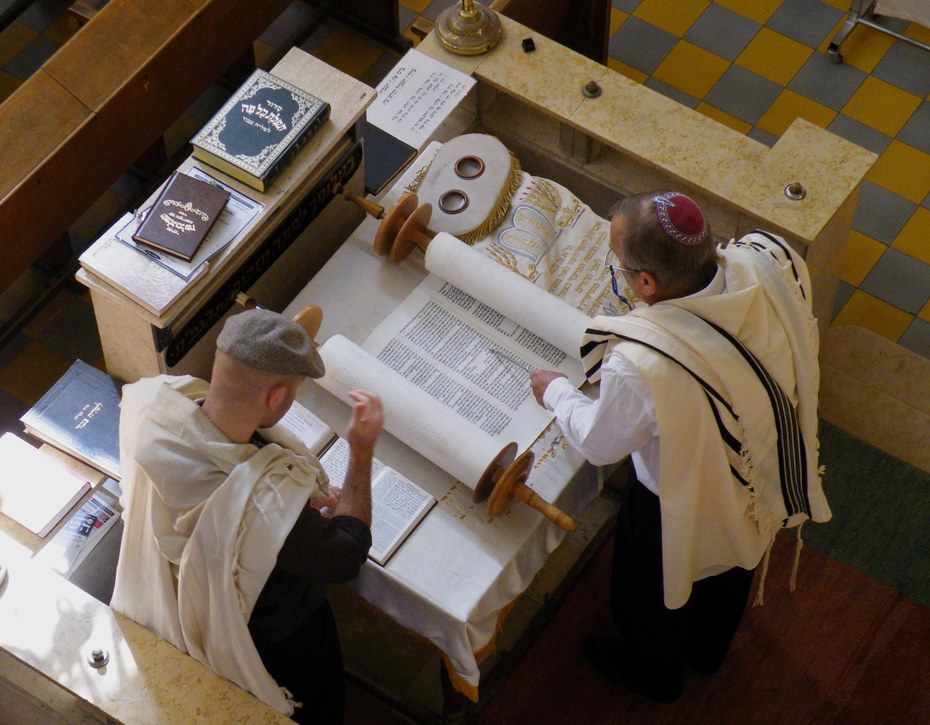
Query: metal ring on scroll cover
476, 167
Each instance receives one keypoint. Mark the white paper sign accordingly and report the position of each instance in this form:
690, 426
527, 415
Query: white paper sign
416, 96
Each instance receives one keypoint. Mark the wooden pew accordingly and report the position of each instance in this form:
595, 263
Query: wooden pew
104, 98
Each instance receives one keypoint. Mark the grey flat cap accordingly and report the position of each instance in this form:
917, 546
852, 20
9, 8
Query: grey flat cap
266, 341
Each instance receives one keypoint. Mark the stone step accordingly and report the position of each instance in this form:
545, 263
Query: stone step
878, 391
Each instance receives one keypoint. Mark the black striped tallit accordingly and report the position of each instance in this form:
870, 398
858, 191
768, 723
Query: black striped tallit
792, 455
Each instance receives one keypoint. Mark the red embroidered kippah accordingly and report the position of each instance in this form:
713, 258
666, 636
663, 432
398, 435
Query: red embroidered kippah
680, 217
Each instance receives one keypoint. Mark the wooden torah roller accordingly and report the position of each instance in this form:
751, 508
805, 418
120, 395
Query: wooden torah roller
370, 207
310, 317
505, 478
403, 228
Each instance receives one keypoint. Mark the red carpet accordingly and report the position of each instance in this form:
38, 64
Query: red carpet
842, 648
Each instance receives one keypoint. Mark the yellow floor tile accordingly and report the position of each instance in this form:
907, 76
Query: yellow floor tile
903, 170
838, 4
674, 16
774, 56
723, 117
789, 106
348, 52
758, 10
914, 238
874, 314
411, 36
626, 70
918, 32
858, 258
616, 20
864, 47
881, 105
30, 374
418, 6
13, 39
691, 69
924, 314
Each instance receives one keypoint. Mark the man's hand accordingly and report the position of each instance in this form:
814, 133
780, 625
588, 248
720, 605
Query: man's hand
364, 428
326, 505
367, 420
539, 381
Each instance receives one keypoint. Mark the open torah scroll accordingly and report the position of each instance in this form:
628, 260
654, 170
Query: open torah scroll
451, 363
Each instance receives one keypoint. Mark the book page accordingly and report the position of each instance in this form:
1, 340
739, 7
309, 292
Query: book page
397, 504
416, 96
34, 490
436, 432
470, 358
336, 462
303, 424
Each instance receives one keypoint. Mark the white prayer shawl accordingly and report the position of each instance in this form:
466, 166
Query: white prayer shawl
712, 521
204, 520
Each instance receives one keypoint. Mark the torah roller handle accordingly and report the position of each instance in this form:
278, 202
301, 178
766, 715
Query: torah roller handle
404, 227
505, 478
310, 317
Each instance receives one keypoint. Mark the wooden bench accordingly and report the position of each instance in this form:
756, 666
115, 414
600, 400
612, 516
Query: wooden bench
97, 104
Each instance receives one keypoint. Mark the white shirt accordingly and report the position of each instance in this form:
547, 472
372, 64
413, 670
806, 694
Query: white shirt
622, 421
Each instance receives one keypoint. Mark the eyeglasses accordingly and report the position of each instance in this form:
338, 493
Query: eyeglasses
613, 277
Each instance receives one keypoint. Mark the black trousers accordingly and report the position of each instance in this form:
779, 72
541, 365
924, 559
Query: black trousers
661, 642
309, 664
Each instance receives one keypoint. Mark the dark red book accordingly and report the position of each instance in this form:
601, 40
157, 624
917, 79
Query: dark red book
181, 217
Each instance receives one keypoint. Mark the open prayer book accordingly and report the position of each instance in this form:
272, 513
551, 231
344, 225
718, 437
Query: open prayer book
398, 504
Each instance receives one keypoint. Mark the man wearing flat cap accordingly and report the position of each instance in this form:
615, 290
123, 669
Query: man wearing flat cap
225, 552
710, 385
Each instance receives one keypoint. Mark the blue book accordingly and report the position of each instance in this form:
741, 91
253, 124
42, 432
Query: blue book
260, 129
80, 415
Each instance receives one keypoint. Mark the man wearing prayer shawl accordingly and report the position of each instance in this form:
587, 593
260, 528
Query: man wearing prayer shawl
225, 553
711, 387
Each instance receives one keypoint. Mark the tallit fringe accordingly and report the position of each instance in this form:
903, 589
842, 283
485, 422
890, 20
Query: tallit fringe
793, 581
760, 592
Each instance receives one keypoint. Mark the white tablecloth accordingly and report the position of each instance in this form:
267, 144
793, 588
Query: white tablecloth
453, 577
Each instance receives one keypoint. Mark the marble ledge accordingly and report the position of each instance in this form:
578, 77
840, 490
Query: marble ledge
678, 141
52, 626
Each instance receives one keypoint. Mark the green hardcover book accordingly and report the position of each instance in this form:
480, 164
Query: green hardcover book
260, 129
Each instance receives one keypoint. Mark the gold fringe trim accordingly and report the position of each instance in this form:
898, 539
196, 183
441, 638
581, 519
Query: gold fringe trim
414, 185
461, 685
501, 205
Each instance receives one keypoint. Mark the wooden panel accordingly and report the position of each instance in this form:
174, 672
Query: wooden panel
122, 80
34, 121
121, 39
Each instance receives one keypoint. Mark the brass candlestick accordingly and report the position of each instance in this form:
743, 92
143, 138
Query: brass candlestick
468, 30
